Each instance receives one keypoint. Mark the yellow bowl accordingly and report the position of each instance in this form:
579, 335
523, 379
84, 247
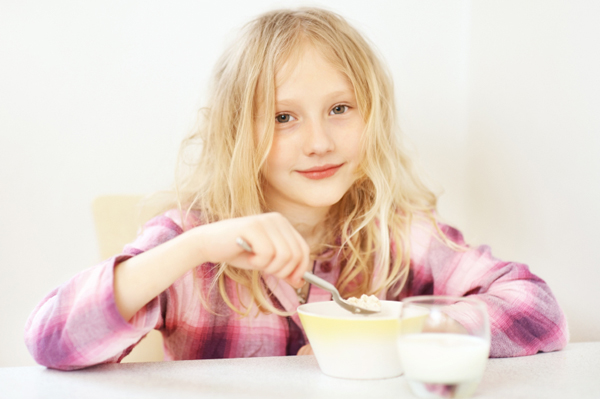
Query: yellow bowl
350, 345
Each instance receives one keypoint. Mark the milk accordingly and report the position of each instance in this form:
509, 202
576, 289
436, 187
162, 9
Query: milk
443, 358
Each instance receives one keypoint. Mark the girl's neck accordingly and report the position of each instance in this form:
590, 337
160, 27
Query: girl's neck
308, 221
310, 228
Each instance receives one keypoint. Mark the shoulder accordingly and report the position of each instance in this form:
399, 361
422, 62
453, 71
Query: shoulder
428, 234
185, 220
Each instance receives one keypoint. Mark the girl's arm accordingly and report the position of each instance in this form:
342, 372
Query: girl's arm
79, 324
101, 313
139, 279
524, 314
278, 249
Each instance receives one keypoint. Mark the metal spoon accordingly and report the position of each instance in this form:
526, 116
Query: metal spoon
327, 286
319, 282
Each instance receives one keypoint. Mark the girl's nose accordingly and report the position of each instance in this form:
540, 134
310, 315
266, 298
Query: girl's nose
317, 138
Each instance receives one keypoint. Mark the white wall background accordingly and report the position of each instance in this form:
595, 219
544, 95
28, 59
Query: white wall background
534, 144
500, 99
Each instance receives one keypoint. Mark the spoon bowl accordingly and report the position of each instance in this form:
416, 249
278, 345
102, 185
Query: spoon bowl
327, 286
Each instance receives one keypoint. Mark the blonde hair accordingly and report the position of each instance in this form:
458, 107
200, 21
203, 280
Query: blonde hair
223, 180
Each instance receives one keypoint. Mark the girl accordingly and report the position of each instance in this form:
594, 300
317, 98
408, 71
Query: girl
300, 158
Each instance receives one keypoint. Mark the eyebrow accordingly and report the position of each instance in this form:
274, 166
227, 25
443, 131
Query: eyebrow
333, 94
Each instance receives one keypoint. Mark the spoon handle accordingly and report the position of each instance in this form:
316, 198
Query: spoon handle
319, 282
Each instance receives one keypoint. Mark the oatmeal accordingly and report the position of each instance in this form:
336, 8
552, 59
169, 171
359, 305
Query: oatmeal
369, 302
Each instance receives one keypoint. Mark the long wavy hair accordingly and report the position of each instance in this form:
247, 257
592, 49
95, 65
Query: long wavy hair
219, 169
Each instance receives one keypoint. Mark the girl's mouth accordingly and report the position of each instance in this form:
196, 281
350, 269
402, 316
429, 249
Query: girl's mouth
320, 172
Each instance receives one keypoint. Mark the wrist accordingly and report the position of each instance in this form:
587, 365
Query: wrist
199, 243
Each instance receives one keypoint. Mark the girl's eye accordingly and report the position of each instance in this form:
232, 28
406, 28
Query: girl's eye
339, 109
284, 118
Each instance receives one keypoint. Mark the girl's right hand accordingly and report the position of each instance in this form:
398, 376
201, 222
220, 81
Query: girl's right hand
278, 248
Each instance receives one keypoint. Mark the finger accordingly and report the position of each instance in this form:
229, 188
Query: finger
282, 252
305, 350
289, 234
309, 350
262, 246
305, 263
299, 264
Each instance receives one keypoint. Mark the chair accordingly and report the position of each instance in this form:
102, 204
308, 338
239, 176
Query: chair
117, 219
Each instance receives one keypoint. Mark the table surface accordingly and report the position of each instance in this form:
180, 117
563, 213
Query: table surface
571, 373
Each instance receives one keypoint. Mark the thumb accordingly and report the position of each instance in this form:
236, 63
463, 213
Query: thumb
305, 350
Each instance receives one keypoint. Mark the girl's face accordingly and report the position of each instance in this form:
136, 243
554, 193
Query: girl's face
316, 143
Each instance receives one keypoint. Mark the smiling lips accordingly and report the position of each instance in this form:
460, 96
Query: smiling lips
320, 172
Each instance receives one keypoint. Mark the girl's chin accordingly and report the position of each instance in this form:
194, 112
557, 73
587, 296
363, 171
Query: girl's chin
322, 197
322, 200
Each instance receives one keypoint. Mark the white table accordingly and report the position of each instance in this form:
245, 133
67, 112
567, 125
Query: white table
571, 373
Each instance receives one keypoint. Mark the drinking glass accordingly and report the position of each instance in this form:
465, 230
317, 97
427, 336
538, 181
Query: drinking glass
444, 344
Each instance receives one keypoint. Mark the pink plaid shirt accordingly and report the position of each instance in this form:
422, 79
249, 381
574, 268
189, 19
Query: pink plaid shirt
78, 324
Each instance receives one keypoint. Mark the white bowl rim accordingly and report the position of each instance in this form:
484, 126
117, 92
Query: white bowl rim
351, 316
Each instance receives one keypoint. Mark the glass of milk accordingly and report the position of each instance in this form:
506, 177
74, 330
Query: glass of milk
444, 344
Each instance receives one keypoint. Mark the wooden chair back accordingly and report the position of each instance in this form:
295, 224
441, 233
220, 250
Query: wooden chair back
117, 219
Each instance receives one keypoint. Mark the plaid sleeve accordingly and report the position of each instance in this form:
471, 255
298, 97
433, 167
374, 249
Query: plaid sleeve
524, 315
78, 324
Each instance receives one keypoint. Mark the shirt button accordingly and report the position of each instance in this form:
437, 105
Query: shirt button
325, 267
